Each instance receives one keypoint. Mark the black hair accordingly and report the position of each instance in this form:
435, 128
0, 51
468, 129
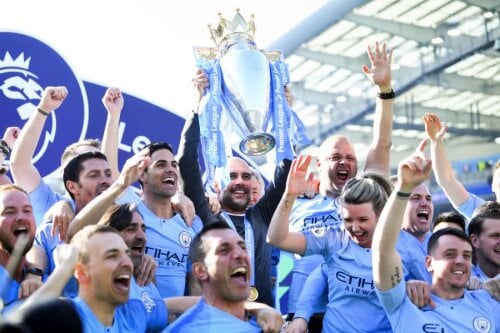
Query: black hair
74, 167
450, 217
154, 146
488, 210
119, 216
433, 240
196, 250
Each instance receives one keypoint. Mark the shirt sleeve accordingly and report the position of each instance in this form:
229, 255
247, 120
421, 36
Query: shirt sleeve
469, 206
393, 298
315, 288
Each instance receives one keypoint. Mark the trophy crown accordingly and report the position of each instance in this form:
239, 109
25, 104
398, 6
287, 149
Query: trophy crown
237, 25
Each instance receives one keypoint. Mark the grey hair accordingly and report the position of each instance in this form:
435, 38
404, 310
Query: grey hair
367, 187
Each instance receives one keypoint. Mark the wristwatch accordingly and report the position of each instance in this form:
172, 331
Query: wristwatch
34, 271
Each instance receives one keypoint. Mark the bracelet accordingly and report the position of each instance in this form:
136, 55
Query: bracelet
402, 195
42, 112
389, 95
4, 148
34, 271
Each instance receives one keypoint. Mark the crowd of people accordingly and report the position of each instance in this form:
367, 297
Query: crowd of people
171, 256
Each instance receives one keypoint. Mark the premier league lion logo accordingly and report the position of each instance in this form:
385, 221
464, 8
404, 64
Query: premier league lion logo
27, 66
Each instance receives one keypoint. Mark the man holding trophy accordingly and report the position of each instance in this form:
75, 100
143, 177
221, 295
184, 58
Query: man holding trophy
242, 91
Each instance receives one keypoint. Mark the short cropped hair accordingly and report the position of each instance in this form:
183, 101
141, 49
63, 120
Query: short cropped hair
154, 146
488, 210
433, 240
368, 187
450, 217
197, 252
82, 237
119, 216
71, 150
74, 167
12, 187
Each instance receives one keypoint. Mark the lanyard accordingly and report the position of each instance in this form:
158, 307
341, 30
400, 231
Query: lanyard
249, 242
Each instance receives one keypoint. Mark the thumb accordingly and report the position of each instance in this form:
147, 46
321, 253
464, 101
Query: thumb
421, 145
432, 304
442, 132
365, 69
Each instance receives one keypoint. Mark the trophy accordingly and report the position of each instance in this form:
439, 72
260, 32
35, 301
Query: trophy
246, 107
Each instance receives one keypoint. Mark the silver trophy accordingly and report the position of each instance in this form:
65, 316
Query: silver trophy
246, 84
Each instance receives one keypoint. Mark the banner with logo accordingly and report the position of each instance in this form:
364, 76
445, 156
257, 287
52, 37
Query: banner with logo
27, 66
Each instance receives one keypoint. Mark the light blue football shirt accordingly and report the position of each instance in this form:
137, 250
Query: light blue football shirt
208, 319
476, 311
168, 242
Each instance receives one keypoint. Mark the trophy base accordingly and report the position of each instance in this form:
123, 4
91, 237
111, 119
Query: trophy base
257, 144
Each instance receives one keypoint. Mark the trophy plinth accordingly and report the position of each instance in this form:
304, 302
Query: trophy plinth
258, 143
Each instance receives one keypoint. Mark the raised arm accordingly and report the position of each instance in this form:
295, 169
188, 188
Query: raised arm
24, 172
189, 166
6, 144
66, 258
380, 75
445, 177
91, 213
297, 182
113, 102
387, 265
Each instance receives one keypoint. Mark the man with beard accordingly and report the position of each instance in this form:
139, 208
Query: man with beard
251, 222
449, 261
167, 233
337, 162
222, 265
416, 224
85, 176
484, 233
16, 219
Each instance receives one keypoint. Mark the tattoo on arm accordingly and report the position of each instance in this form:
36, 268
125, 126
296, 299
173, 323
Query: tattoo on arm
287, 205
396, 277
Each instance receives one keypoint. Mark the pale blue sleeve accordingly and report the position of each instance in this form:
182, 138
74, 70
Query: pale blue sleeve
42, 198
469, 206
393, 298
129, 196
322, 241
314, 294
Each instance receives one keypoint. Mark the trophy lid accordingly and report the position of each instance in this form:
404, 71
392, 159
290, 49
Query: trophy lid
237, 26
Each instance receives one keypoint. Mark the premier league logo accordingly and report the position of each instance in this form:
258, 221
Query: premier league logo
27, 66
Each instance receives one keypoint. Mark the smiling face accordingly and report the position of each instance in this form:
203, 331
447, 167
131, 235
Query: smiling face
161, 178
134, 236
257, 190
360, 222
237, 193
419, 212
337, 164
225, 271
16, 218
487, 245
94, 178
450, 264
105, 277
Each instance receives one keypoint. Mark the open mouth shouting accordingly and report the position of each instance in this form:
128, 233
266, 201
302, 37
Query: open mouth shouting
240, 276
423, 215
121, 283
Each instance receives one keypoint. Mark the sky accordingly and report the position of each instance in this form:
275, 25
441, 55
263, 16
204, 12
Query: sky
143, 47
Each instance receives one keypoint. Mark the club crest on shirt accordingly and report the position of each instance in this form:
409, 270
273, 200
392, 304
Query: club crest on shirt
148, 302
185, 238
27, 67
481, 324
